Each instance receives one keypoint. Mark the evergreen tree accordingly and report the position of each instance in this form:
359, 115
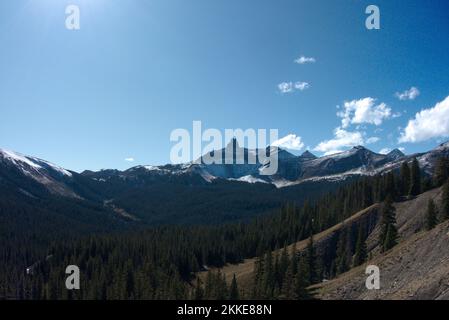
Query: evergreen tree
389, 234
342, 260
234, 290
415, 179
199, 292
390, 187
431, 220
268, 276
300, 284
311, 265
360, 248
405, 178
390, 238
258, 278
441, 173
288, 289
445, 202
283, 265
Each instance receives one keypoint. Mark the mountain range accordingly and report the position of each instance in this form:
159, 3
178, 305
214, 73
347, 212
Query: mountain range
188, 193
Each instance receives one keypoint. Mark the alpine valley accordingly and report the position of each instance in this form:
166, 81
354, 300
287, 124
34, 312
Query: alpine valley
152, 232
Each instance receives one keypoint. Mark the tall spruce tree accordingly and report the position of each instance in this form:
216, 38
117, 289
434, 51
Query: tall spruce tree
390, 186
431, 218
445, 202
342, 260
234, 290
415, 179
361, 251
311, 262
199, 291
405, 178
389, 233
300, 284
441, 173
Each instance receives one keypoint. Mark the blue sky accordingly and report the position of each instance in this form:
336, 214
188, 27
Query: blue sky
138, 69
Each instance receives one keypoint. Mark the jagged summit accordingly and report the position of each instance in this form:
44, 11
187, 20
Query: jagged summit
291, 170
308, 155
359, 147
395, 154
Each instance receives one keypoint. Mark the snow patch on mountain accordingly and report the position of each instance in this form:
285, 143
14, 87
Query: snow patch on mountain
38, 164
249, 179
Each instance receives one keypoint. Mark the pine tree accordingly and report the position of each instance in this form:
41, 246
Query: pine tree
390, 187
300, 284
360, 248
310, 259
415, 179
405, 178
342, 255
390, 238
283, 266
441, 173
234, 290
431, 220
389, 234
199, 292
445, 202
288, 285
268, 276
258, 277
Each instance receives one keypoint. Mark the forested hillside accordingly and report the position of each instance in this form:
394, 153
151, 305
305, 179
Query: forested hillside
162, 262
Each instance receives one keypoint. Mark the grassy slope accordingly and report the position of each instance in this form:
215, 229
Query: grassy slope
243, 271
417, 268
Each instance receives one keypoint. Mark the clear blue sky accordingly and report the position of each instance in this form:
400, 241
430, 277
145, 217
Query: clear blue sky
138, 69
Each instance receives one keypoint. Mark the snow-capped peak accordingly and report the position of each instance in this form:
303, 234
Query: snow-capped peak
19, 160
395, 154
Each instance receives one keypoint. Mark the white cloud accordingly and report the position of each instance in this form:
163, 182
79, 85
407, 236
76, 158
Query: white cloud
302, 85
428, 123
410, 94
385, 151
372, 140
291, 141
342, 139
288, 87
130, 159
364, 111
304, 60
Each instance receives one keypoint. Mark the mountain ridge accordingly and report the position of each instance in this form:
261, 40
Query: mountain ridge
292, 169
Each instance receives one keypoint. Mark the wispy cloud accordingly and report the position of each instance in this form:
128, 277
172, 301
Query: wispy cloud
364, 111
428, 124
385, 151
304, 60
342, 139
409, 94
130, 159
288, 87
372, 140
291, 141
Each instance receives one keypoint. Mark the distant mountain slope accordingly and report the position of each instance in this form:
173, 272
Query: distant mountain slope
292, 169
202, 193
